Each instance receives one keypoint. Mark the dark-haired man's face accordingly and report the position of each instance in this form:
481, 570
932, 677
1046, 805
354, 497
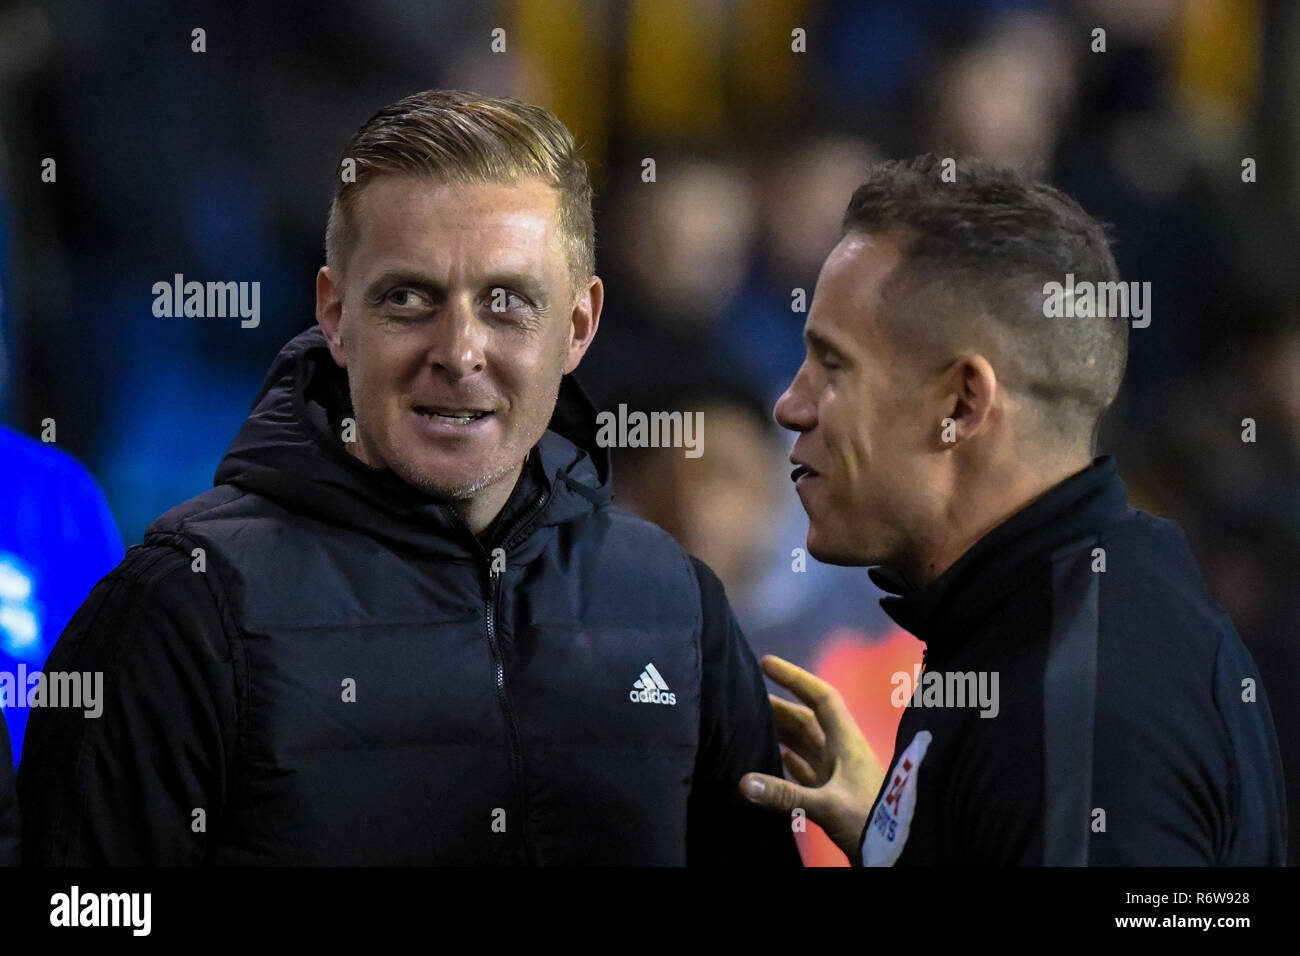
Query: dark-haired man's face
455, 318
865, 426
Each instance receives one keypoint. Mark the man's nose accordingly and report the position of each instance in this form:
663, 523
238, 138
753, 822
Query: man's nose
460, 341
793, 410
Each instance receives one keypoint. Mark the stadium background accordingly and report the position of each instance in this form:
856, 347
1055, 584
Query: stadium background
219, 165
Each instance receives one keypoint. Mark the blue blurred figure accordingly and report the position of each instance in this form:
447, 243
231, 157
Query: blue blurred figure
57, 539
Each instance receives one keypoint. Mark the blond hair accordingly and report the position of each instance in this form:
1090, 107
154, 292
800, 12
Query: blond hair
460, 137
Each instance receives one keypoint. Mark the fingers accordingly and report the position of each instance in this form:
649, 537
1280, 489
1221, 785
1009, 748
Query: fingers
841, 818
800, 769
774, 793
826, 703
797, 728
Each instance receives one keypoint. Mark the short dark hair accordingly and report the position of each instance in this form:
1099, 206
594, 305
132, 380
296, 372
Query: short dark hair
977, 253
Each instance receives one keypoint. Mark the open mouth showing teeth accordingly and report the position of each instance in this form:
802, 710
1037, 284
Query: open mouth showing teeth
455, 416
800, 471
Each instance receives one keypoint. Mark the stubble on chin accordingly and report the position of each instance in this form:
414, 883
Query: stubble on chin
459, 492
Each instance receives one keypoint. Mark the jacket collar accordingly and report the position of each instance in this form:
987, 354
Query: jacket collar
289, 452
992, 569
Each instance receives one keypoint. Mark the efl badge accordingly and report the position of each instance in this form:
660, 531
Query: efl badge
892, 820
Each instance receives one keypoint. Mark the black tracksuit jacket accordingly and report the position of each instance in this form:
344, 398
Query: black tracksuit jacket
1130, 725
10, 822
314, 663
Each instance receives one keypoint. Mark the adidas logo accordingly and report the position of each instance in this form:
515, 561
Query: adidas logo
650, 688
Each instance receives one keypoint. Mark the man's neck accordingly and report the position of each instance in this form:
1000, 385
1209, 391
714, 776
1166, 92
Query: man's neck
976, 510
480, 512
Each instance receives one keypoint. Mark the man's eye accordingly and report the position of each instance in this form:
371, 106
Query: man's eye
404, 299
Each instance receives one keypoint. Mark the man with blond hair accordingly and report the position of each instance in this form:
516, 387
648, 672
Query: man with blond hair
407, 626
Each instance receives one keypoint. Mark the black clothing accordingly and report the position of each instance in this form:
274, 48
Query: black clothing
326, 663
1129, 724
10, 822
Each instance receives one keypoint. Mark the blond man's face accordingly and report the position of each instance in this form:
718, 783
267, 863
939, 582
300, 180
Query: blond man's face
456, 318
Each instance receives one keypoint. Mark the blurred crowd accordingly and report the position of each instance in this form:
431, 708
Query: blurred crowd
219, 165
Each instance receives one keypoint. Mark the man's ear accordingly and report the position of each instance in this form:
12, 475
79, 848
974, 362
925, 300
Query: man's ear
329, 313
584, 321
970, 388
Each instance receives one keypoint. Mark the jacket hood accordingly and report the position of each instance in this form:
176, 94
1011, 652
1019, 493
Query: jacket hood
287, 452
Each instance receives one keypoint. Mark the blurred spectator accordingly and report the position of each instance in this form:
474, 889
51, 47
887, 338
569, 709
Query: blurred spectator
1005, 96
684, 242
803, 192
57, 539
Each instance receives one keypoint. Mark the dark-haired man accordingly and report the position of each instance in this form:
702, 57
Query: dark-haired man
1084, 701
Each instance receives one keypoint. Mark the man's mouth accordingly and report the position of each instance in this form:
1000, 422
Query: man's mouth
801, 470
455, 416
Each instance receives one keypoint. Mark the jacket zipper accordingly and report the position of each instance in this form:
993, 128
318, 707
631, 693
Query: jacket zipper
516, 750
